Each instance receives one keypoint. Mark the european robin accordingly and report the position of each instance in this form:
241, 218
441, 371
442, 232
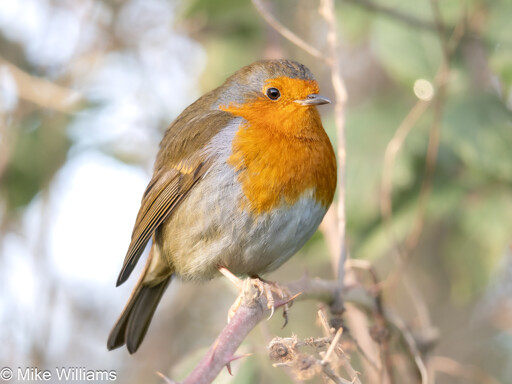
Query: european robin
242, 180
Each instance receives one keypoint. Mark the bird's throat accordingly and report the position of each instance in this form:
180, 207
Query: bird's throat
277, 164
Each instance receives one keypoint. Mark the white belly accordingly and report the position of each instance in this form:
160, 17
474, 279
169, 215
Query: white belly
209, 229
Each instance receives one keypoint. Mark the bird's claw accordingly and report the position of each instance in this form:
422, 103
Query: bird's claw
268, 288
264, 287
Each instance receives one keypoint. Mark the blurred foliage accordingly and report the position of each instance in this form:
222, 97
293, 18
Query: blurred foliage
38, 151
467, 224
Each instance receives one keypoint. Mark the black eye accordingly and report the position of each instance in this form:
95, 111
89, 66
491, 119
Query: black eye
273, 93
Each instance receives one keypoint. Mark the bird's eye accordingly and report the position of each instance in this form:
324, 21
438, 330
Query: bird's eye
273, 93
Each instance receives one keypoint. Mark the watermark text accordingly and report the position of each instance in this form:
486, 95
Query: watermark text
56, 374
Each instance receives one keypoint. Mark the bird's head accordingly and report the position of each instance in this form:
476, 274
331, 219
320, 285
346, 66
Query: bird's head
280, 95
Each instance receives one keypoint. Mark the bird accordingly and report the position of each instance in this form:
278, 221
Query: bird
242, 179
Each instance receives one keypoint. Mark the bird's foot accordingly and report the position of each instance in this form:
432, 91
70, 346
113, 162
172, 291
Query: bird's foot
268, 288
263, 287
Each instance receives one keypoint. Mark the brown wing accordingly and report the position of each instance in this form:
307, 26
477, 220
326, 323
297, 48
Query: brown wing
179, 166
164, 193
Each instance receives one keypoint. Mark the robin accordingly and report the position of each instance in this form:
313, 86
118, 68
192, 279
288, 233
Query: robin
242, 180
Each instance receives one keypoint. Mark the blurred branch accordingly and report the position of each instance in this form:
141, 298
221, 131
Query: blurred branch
392, 149
379, 332
41, 91
285, 32
327, 11
338, 350
329, 229
448, 45
411, 345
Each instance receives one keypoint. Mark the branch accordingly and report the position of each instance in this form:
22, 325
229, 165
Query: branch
403, 252
285, 32
411, 345
41, 91
327, 11
251, 312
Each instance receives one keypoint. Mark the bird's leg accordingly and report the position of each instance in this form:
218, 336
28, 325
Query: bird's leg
264, 287
238, 283
268, 288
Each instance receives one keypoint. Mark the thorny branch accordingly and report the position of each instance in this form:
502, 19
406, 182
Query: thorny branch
251, 312
287, 353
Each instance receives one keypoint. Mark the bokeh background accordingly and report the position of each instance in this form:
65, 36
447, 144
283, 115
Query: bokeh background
87, 89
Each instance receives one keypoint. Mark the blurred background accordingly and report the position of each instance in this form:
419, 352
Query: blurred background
87, 89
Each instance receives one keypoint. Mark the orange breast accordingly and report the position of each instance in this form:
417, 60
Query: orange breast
279, 152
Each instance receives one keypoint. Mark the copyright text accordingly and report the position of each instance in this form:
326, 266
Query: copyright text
64, 374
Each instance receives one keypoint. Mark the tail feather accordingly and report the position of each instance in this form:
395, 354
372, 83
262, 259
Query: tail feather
132, 325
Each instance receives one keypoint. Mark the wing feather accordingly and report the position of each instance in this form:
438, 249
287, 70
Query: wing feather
162, 196
179, 166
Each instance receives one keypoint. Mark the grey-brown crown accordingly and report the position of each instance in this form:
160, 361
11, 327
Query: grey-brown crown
248, 81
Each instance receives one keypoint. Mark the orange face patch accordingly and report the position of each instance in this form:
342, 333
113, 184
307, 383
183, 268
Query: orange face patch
282, 149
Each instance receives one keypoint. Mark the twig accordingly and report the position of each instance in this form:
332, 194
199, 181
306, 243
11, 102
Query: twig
41, 91
333, 345
286, 33
326, 368
411, 345
354, 375
394, 146
337, 348
327, 11
329, 229
448, 46
166, 379
379, 332
386, 206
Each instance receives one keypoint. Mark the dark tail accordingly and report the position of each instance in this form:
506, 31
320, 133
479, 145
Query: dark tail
132, 325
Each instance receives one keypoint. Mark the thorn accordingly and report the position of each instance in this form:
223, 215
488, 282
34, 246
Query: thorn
228, 366
292, 298
167, 380
233, 358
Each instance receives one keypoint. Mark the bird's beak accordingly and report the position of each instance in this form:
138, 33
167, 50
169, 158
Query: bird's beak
313, 99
